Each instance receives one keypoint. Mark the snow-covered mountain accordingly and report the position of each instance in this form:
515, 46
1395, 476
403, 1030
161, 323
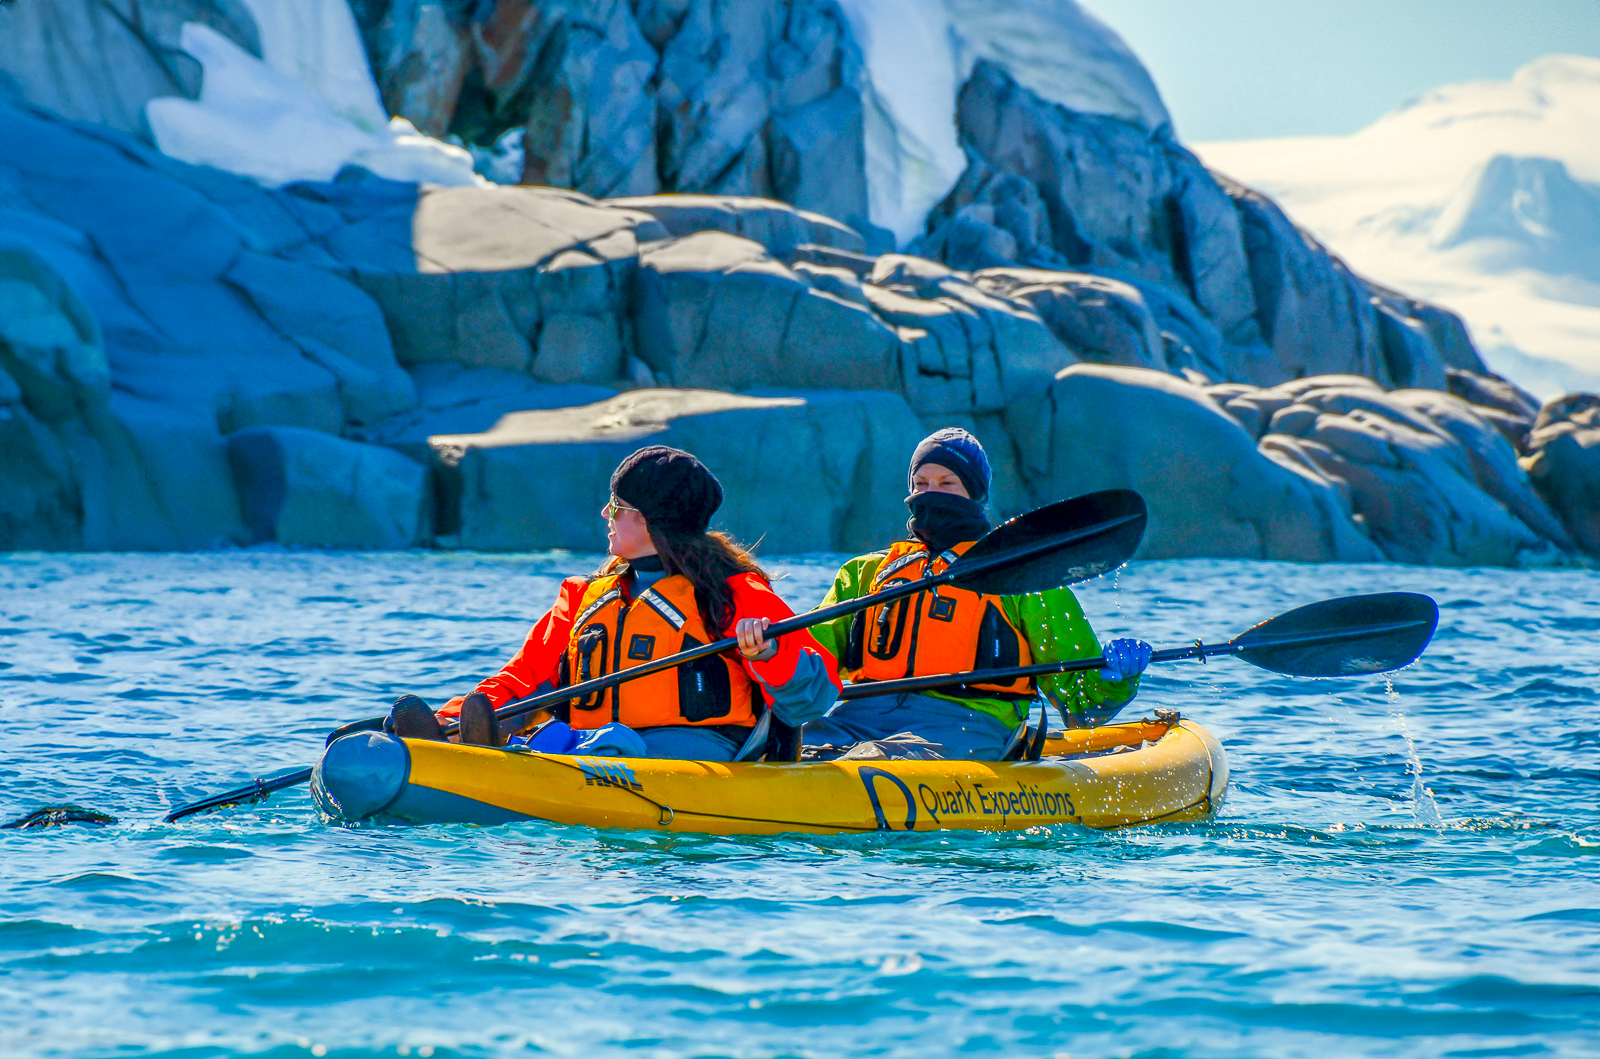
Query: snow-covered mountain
1483, 197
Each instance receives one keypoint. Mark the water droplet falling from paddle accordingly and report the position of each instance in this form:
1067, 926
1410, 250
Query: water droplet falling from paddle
1424, 810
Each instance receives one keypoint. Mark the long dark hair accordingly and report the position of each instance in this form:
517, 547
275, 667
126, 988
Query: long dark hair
707, 560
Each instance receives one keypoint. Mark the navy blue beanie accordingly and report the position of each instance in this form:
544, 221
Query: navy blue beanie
954, 448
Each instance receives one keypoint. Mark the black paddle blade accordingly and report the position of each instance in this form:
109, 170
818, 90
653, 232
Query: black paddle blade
1058, 544
59, 816
1343, 637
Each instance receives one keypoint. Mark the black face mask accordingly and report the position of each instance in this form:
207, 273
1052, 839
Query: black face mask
941, 520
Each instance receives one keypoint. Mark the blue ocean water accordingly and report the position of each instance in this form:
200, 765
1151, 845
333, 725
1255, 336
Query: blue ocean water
1405, 869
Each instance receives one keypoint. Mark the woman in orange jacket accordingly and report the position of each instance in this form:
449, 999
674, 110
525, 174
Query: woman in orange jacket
669, 585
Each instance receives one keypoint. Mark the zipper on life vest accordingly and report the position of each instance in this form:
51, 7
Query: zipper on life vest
616, 661
916, 622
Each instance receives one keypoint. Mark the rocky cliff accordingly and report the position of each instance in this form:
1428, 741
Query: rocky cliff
190, 357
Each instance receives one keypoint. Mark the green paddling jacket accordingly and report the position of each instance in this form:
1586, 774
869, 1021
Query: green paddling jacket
1052, 622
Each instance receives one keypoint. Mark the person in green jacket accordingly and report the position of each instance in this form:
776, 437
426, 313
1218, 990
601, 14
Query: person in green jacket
948, 630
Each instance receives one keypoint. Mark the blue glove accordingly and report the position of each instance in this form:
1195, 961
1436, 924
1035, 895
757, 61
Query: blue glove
553, 737
1125, 658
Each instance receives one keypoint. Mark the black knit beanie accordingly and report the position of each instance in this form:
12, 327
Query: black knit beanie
958, 450
671, 489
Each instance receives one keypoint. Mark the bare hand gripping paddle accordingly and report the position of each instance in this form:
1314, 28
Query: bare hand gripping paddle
1055, 545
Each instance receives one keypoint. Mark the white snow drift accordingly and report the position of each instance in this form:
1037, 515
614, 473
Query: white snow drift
305, 110
918, 54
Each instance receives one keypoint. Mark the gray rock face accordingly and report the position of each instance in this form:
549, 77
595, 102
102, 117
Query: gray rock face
515, 279
1493, 460
620, 98
1511, 410
779, 227
715, 310
1315, 314
40, 508
964, 350
155, 307
1102, 320
1412, 482
1239, 293
188, 359
304, 488
102, 60
50, 344
801, 471
1211, 490
420, 57
452, 399
1564, 464
591, 112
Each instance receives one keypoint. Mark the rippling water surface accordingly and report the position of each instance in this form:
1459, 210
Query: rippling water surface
1406, 871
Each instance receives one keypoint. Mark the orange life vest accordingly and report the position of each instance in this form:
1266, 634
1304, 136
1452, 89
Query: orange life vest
941, 630
609, 635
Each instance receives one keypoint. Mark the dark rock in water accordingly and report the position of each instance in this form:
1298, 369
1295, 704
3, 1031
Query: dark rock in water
59, 816
1564, 463
1415, 486
1493, 459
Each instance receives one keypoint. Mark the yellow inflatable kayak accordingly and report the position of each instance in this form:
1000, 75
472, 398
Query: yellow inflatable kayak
1113, 776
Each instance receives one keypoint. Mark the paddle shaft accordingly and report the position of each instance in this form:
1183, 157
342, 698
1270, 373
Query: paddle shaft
1198, 650
869, 688
256, 789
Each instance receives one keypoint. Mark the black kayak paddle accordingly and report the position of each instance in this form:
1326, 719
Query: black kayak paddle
1344, 637
1055, 545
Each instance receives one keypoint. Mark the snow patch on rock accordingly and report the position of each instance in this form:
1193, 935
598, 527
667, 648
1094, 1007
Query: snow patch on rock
304, 111
918, 54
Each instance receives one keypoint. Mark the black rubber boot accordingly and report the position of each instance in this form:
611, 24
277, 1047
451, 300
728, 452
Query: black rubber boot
410, 718
479, 727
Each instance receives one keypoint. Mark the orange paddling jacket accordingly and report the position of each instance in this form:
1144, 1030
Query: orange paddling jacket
611, 634
940, 630
600, 626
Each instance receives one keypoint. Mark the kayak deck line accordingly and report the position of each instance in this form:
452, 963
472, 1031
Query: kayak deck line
1113, 776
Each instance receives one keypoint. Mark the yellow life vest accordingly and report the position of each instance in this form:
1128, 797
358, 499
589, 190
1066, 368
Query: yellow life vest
941, 630
609, 635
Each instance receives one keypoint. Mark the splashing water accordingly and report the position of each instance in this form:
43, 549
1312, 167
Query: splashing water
1424, 809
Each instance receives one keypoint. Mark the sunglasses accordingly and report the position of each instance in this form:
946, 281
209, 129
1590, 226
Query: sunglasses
615, 507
